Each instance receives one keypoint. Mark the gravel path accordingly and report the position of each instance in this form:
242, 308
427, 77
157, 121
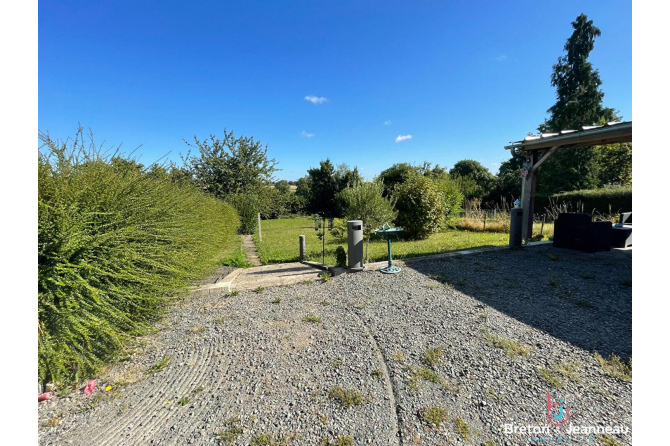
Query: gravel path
250, 369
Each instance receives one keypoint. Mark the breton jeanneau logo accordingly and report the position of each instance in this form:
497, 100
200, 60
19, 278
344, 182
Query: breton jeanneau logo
557, 413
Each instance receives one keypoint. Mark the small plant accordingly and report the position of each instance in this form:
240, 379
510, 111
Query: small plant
325, 276
233, 293
260, 289
184, 401
551, 378
489, 443
276, 301
312, 318
339, 441
462, 428
615, 368
426, 374
570, 370
434, 415
434, 356
220, 320
553, 281
484, 316
340, 257
160, 365
198, 329
399, 356
335, 363
229, 435
325, 303
588, 276
492, 395
359, 306
432, 286
54, 421
584, 304
346, 397
377, 374
512, 347
308, 282
609, 440
199, 390
263, 440
552, 257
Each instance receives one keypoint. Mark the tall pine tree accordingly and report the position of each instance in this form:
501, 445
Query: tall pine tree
578, 103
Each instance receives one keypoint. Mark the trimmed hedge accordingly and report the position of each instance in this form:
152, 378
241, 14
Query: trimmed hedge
604, 201
115, 245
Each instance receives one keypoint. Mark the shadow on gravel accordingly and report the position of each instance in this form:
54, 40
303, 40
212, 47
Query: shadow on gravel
584, 299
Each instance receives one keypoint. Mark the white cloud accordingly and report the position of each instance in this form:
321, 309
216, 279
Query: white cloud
307, 135
316, 99
403, 137
387, 122
501, 58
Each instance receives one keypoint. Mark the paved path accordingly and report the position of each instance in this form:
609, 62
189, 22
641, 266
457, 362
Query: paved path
251, 251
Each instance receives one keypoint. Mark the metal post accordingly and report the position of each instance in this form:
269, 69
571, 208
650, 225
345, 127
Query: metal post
301, 239
323, 241
390, 254
260, 236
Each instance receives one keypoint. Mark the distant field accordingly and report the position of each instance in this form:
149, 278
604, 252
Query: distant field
280, 242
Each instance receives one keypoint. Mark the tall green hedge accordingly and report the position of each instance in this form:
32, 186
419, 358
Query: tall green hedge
114, 246
604, 201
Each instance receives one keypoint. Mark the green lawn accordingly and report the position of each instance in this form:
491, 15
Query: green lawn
280, 242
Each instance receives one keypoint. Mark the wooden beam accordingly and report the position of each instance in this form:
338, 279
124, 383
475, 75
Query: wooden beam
582, 139
545, 156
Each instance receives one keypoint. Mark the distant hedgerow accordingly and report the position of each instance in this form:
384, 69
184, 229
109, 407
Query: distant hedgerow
115, 243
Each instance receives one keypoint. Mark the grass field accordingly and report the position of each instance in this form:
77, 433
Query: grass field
280, 242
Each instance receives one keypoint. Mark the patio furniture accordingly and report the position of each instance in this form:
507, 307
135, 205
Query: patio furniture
577, 231
622, 232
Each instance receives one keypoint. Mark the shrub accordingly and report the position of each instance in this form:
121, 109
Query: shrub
340, 257
421, 207
248, 206
114, 245
612, 200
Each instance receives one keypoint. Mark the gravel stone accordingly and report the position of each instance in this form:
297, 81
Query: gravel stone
244, 362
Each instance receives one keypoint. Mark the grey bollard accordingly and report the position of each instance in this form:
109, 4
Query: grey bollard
355, 244
301, 238
515, 228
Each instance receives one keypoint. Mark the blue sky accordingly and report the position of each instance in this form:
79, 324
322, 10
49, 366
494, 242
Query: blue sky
462, 78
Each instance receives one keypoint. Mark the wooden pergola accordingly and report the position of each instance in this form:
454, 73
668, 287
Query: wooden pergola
537, 149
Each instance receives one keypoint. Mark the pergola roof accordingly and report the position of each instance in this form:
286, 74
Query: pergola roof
610, 133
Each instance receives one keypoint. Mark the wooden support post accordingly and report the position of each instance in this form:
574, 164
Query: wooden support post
260, 236
528, 198
484, 221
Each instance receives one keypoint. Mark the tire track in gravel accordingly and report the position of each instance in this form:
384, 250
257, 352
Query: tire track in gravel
222, 378
148, 406
396, 434
195, 377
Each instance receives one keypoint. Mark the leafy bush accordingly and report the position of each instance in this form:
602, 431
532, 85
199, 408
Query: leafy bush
365, 202
114, 246
248, 206
340, 257
421, 207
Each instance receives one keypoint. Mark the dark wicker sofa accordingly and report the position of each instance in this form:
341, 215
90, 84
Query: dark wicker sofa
577, 231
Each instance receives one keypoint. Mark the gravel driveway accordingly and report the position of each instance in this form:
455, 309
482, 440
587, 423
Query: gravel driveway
446, 352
